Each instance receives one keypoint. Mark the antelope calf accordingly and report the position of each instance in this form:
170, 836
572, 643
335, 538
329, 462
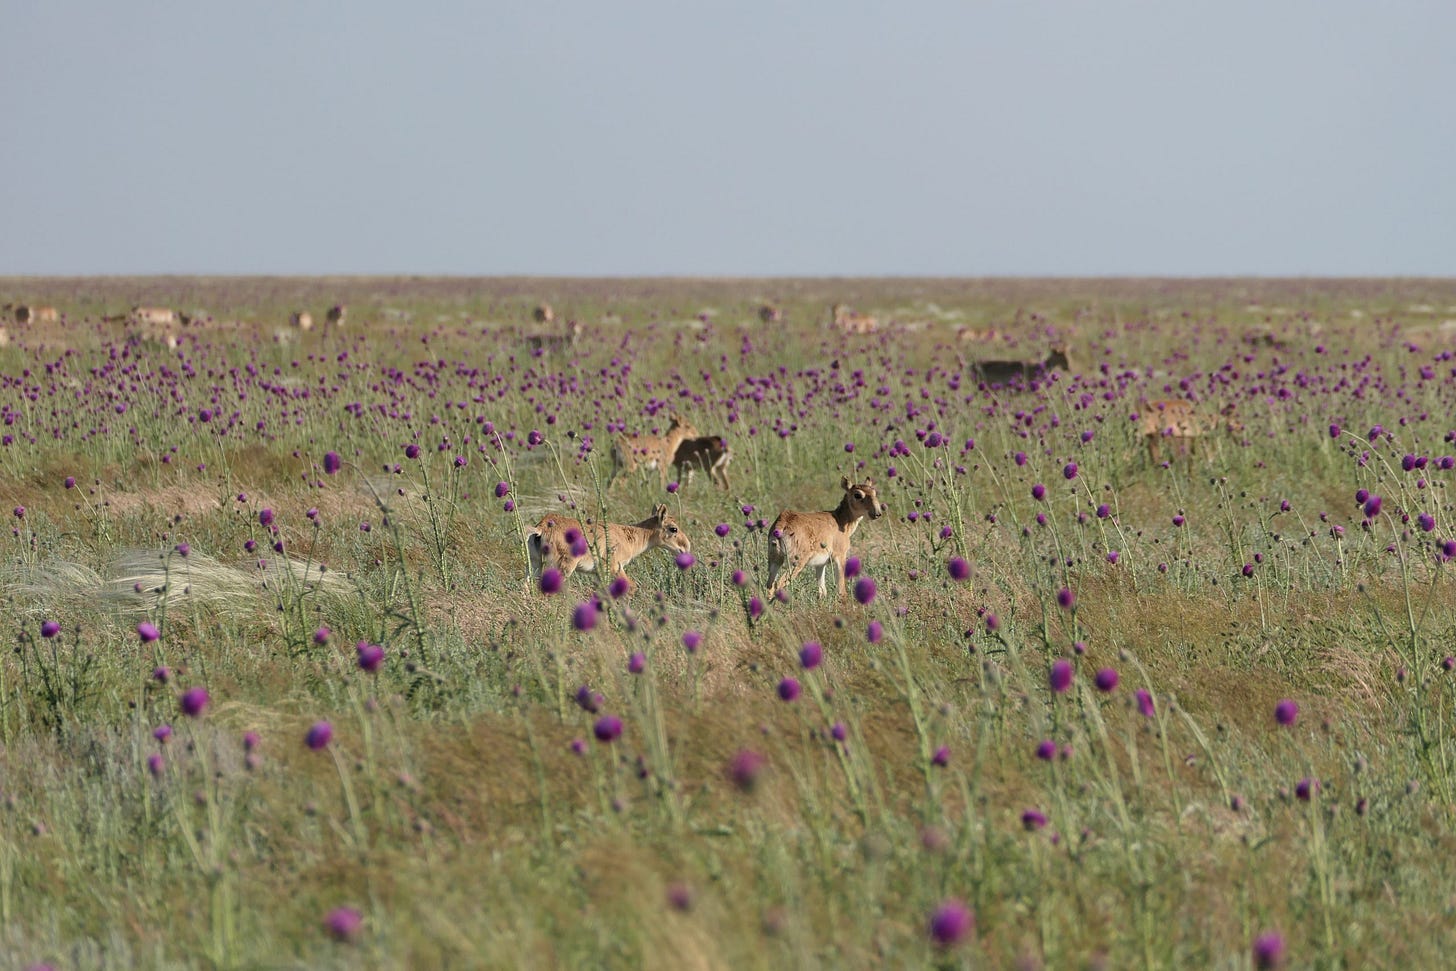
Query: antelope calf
709, 453
335, 316
853, 323
1182, 426
301, 319
543, 314
799, 540
1005, 372
632, 452
569, 545
549, 343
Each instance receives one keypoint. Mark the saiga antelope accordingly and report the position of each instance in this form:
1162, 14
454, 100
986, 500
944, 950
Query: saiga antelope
302, 319
336, 315
630, 452
1003, 372
709, 453
547, 343
569, 545
820, 539
1183, 425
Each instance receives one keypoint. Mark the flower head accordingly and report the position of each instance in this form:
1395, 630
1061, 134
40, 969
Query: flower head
1286, 711
959, 569
550, 580
864, 590
1059, 678
950, 922
608, 728
810, 655
789, 689
1105, 679
371, 656
332, 463
49, 629
148, 632
193, 701
318, 736
1268, 950
745, 768
344, 924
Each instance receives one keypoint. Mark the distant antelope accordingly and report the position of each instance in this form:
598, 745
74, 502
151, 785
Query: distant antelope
1004, 372
301, 319
853, 323
543, 314
974, 335
770, 314
709, 453
798, 540
631, 452
26, 314
158, 316
569, 545
551, 343
1183, 426
336, 315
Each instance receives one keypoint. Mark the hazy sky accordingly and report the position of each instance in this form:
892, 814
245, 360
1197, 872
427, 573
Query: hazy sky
817, 137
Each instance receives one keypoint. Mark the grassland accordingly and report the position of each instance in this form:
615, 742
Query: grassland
473, 805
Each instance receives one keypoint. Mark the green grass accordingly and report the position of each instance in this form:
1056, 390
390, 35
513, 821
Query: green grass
454, 807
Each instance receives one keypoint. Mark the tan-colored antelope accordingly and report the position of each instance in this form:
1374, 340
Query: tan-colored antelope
27, 314
632, 452
853, 323
552, 343
709, 453
1182, 426
1004, 372
156, 316
336, 316
301, 319
568, 545
543, 314
976, 335
770, 314
798, 540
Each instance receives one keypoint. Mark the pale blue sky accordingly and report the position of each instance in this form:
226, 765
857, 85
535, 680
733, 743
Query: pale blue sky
819, 137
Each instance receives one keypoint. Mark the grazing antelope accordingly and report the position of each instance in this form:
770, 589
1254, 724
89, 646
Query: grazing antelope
709, 453
550, 343
820, 539
853, 323
1180, 423
543, 314
770, 314
157, 316
974, 335
301, 319
632, 452
1004, 372
569, 545
336, 315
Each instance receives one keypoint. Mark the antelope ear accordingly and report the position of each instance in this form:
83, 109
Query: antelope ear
845, 484
660, 512
869, 483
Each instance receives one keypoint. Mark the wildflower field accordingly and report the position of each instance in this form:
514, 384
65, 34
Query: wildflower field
280, 691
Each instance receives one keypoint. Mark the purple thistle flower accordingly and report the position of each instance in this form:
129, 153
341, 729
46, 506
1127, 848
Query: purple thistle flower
1038, 492
587, 700
993, 623
156, 765
147, 631
1113, 556
691, 640
619, 587
1306, 788
1269, 950
1426, 521
183, 549
1178, 520
1069, 471
1066, 598
161, 674
411, 451
1145, 703
161, 733
755, 608
608, 728
959, 569
1372, 507
851, 568
321, 636
1046, 750
70, 482
685, 560
584, 617
1105, 679
371, 656
332, 463
1033, 819
1059, 678
250, 741
874, 632
265, 517
1286, 711
864, 590
550, 580
941, 757
810, 655
680, 896
501, 489
1019, 458
49, 629
344, 924
318, 736
745, 768
722, 529
637, 663
789, 689
739, 578
838, 731
193, 701
950, 922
